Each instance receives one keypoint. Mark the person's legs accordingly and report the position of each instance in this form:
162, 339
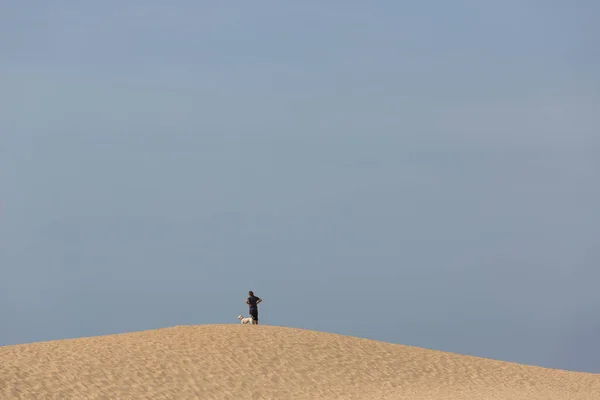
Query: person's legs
254, 315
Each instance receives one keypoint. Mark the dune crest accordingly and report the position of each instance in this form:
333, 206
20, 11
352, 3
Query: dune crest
267, 362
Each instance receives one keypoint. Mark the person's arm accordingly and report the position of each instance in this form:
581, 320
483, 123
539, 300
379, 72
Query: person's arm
259, 300
247, 301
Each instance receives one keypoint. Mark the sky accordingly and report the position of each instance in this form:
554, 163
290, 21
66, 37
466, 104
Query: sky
422, 173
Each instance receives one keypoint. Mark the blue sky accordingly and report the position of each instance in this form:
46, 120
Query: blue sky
424, 173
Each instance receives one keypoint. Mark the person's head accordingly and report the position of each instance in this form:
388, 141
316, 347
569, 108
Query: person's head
251, 293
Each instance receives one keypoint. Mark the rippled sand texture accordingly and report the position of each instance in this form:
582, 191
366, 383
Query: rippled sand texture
265, 362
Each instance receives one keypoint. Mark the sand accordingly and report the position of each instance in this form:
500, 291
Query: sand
267, 362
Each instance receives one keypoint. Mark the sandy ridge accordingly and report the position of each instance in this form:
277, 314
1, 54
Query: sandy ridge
268, 362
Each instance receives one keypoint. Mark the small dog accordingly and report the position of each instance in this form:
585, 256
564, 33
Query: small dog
245, 320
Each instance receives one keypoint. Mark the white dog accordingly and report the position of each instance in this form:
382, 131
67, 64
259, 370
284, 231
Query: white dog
244, 320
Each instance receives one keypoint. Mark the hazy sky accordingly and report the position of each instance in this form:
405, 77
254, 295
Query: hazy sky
424, 173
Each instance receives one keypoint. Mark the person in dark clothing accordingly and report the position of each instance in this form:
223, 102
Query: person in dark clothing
252, 302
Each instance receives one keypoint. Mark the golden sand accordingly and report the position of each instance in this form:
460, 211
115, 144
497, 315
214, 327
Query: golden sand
267, 362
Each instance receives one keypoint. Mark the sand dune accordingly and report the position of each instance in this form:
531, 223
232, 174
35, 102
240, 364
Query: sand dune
265, 362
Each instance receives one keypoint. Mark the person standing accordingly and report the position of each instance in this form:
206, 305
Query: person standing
252, 302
